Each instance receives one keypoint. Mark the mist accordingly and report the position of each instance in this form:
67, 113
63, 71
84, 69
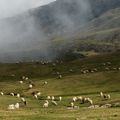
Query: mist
22, 35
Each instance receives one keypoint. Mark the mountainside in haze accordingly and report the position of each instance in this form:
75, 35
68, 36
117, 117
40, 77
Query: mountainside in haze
61, 25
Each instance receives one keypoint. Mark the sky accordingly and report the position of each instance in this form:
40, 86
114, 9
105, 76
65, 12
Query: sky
12, 7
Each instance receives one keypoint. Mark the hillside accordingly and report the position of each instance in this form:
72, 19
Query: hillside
45, 32
73, 83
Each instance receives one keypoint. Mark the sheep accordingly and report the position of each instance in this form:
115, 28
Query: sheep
48, 97
74, 99
12, 75
114, 68
24, 101
21, 82
11, 107
53, 98
17, 105
12, 94
95, 69
71, 70
88, 100
30, 86
72, 104
101, 94
60, 76
54, 103
105, 96
23, 77
60, 98
18, 95
58, 73
36, 96
107, 68
46, 104
2, 93
80, 98
26, 78
45, 83
38, 93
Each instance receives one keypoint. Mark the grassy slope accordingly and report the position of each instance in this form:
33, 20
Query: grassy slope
72, 84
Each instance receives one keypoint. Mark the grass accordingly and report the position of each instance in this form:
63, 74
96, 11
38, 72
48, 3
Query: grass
72, 84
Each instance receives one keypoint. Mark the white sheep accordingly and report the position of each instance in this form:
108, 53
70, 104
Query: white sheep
90, 101
72, 104
23, 100
12, 94
60, 98
101, 94
30, 86
74, 99
46, 104
48, 97
45, 83
21, 82
105, 96
26, 78
23, 77
11, 107
36, 96
18, 95
53, 98
17, 105
54, 103
60, 76
38, 93
2, 93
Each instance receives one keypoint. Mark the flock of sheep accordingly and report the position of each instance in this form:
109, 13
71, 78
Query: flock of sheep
51, 99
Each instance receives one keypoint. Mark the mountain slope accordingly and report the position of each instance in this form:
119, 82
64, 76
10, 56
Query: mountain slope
28, 36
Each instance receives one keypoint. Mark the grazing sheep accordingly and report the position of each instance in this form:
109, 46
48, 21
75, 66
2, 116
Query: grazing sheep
45, 83
23, 77
74, 99
95, 69
36, 96
12, 94
48, 97
38, 93
46, 104
26, 78
18, 95
53, 98
71, 70
54, 103
12, 75
101, 94
2, 93
72, 104
24, 101
11, 107
90, 101
58, 73
17, 105
105, 96
21, 82
60, 76
107, 68
60, 98
80, 98
30, 86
